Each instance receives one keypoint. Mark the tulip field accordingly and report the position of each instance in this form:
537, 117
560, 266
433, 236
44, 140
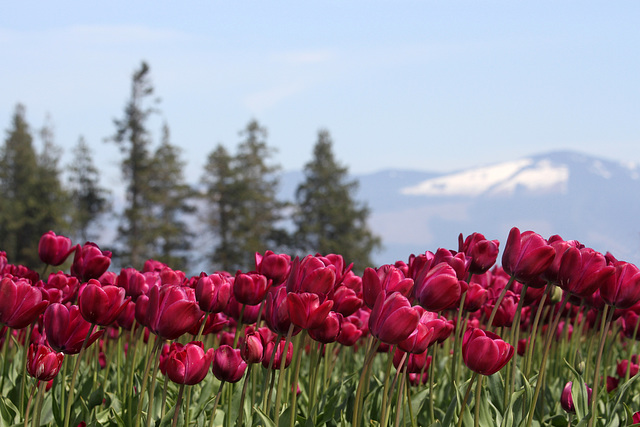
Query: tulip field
545, 336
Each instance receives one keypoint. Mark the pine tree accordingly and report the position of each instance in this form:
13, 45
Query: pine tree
134, 140
88, 198
32, 200
221, 182
241, 197
170, 198
328, 219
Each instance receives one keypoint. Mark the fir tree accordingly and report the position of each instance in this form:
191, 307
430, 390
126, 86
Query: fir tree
221, 182
170, 198
243, 211
134, 140
88, 198
32, 201
328, 219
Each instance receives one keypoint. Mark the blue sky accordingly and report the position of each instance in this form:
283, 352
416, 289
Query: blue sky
407, 84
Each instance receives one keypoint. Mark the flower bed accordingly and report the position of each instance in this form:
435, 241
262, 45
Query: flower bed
447, 338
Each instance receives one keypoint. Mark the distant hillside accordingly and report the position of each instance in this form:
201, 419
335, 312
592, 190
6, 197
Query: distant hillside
581, 197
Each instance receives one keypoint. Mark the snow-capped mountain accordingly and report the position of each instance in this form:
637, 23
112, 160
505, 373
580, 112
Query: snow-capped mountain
577, 196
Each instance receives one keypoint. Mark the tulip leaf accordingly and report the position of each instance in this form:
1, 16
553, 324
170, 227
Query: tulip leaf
622, 391
559, 421
56, 409
8, 411
579, 393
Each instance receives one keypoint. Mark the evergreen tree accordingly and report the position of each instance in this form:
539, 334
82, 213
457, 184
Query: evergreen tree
241, 198
32, 201
134, 140
221, 183
88, 198
328, 219
169, 197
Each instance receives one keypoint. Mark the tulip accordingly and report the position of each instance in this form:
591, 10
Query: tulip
483, 252
90, 262
459, 261
393, 319
415, 363
583, 271
251, 288
66, 329
312, 274
384, 280
101, 305
345, 300
485, 352
43, 363
566, 400
20, 303
252, 348
188, 364
624, 290
227, 364
277, 358
274, 266
213, 292
169, 311
439, 288
636, 417
350, 333
306, 311
328, 330
526, 255
249, 312
476, 297
277, 312
133, 282
54, 250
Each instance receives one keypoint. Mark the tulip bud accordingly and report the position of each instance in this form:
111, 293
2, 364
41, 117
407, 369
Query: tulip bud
43, 363
228, 364
54, 250
188, 364
90, 262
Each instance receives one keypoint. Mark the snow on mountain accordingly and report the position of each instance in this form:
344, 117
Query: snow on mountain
500, 179
572, 194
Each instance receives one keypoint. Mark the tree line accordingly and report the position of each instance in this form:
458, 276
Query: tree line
222, 221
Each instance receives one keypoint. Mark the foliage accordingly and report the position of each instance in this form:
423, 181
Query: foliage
328, 219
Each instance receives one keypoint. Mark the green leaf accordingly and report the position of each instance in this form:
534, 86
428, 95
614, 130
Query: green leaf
268, 422
8, 411
559, 421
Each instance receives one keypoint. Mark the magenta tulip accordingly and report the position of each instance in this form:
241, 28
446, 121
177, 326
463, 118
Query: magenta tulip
274, 266
624, 290
54, 250
439, 288
90, 262
485, 352
20, 303
100, 304
43, 363
250, 288
66, 329
526, 255
583, 271
227, 364
306, 311
169, 311
188, 364
393, 319
213, 292
566, 399
483, 252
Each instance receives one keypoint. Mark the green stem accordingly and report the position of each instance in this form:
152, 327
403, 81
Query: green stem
300, 342
596, 371
276, 415
547, 346
26, 413
476, 418
534, 332
177, 409
515, 336
364, 377
466, 397
24, 366
201, 329
399, 405
498, 302
247, 378
385, 391
215, 405
67, 412
152, 386
38, 408
145, 378
457, 340
187, 413
5, 348
408, 391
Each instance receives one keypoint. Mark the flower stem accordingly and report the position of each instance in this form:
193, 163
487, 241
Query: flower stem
476, 419
364, 377
67, 412
247, 378
596, 371
466, 397
547, 346
215, 405
498, 302
177, 409
276, 415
